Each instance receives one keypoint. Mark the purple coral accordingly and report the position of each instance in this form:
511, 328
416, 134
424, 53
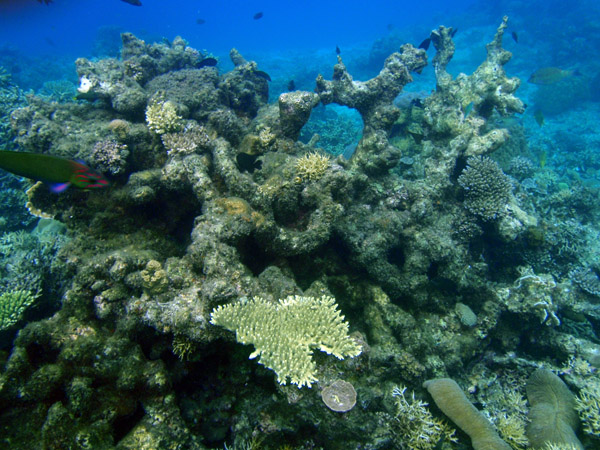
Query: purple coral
110, 157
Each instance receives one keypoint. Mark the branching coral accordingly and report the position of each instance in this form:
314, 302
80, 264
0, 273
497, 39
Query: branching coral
283, 333
413, 424
373, 99
587, 404
13, 305
311, 166
162, 116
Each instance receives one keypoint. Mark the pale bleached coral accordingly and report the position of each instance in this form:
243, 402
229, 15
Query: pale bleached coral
284, 333
162, 117
587, 404
311, 166
414, 426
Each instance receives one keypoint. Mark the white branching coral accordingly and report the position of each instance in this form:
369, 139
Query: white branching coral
285, 332
162, 117
311, 166
587, 404
414, 426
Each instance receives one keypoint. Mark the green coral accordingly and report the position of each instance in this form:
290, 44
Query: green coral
13, 305
284, 332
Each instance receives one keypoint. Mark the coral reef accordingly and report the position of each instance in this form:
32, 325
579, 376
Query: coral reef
442, 264
587, 404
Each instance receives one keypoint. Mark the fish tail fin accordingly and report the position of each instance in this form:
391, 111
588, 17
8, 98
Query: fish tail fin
57, 188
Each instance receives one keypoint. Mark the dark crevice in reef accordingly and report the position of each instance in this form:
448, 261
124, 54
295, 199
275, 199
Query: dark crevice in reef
253, 256
396, 256
124, 424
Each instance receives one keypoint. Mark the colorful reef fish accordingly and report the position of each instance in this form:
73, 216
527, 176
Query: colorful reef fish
58, 172
550, 75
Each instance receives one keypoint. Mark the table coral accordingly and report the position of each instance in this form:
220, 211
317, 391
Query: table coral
284, 333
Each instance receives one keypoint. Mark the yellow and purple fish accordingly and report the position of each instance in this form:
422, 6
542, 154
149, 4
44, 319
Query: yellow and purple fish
59, 173
550, 75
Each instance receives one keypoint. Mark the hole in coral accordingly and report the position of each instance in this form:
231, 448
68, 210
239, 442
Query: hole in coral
253, 256
39, 355
432, 270
396, 256
339, 128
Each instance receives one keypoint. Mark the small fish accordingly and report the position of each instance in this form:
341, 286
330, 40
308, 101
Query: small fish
208, 62
543, 157
247, 162
200, 21
258, 15
539, 117
453, 32
47, 2
468, 109
58, 172
550, 75
515, 36
262, 74
133, 2
337, 50
425, 44
291, 86
391, 27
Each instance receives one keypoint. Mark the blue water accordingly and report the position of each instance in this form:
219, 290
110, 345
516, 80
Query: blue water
71, 25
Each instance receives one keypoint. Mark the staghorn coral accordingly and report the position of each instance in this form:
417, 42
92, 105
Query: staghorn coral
311, 166
587, 404
13, 305
414, 426
487, 188
283, 333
